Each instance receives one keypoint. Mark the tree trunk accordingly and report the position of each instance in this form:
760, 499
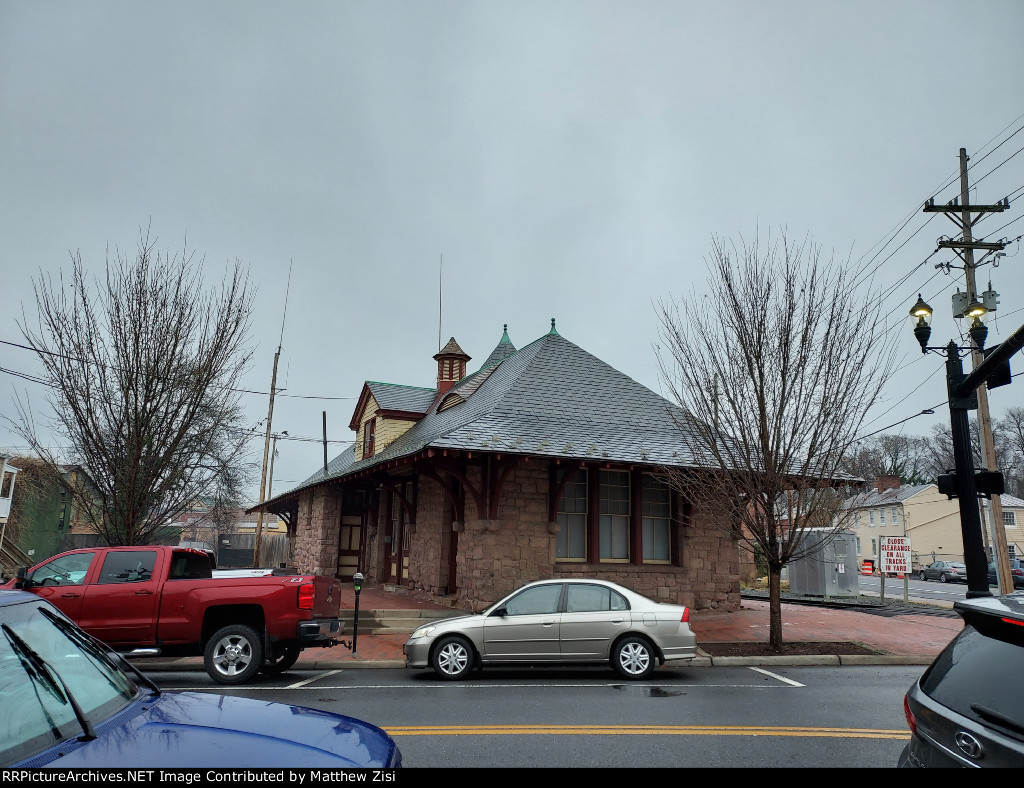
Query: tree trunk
775, 606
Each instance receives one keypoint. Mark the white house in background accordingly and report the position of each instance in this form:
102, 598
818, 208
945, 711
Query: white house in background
928, 517
920, 511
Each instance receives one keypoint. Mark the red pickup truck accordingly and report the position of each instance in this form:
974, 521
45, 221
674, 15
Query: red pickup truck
164, 600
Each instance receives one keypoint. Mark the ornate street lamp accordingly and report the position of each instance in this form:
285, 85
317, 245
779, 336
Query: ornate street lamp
922, 315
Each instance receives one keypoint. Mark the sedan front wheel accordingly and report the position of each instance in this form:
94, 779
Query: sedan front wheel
452, 659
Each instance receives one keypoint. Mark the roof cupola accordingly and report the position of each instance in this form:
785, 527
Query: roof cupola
451, 365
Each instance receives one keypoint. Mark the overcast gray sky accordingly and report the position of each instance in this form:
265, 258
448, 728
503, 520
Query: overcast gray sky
568, 159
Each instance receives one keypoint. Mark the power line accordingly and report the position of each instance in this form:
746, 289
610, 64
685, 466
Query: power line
107, 366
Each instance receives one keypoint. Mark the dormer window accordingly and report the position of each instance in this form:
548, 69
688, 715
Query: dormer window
449, 402
368, 435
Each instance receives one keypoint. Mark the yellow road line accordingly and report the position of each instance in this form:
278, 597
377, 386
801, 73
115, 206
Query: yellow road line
645, 730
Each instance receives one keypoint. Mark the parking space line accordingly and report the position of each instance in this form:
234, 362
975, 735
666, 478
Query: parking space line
310, 680
777, 676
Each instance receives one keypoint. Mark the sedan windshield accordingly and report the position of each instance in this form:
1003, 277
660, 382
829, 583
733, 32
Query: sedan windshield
45, 672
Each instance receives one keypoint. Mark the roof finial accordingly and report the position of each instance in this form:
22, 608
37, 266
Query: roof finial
553, 331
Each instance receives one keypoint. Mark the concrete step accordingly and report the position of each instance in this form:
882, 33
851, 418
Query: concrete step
392, 621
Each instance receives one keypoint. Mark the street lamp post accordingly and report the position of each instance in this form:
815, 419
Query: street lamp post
962, 391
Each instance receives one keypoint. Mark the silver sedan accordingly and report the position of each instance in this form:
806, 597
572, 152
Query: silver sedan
561, 622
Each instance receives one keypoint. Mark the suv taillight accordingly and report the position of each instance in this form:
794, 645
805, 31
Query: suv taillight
306, 593
911, 720
686, 616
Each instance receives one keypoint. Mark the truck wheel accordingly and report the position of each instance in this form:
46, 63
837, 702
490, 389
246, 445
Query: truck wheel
234, 654
285, 658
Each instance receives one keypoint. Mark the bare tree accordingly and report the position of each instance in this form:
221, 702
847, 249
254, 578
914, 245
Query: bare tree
774, 365
1011, 428
904, 456
139, 366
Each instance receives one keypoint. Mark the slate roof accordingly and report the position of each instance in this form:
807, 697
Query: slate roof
335, 468
452, 349
868, 499
503, 350
550, 398
392, 396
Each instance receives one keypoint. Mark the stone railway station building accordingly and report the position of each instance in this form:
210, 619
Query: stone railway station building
544, 462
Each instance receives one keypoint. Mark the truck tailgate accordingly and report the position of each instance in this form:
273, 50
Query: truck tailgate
326, 597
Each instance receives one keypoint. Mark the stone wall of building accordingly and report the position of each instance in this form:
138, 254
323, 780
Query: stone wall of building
428, 565
316, 532
497, 556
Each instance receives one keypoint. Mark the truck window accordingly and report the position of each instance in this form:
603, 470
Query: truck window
190, 566
134, 566
68, 570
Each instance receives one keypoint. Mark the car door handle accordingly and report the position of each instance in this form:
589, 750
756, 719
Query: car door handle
70, 595
547, 623
142, 593
617, 620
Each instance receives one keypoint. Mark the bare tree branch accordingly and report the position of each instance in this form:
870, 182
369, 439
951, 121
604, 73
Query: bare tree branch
140, 362
774, 366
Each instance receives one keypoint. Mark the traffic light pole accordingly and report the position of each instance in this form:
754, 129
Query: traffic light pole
962, 398
970, 518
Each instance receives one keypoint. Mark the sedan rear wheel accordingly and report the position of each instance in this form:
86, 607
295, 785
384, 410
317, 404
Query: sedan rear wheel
633, 658
452, 659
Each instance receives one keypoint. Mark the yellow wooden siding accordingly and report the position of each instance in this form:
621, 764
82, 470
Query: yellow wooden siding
385, 431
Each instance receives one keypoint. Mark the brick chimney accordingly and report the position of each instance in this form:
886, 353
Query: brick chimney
883, 483
451, 365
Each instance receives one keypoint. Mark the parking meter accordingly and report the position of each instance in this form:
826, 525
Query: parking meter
357, 585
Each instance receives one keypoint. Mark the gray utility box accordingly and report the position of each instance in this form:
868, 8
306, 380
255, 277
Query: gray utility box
829, 569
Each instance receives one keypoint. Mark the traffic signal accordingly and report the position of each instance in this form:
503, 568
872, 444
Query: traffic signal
986, 483
947, 484
989, 483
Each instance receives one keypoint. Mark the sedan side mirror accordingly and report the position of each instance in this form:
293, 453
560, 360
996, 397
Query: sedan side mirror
21, 578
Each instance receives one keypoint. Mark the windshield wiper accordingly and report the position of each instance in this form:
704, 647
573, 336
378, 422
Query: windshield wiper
97, 647
54, 678
999, 719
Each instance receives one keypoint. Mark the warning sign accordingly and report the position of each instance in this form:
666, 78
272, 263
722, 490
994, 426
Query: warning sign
895, 554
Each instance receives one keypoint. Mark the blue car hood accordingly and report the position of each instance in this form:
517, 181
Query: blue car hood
191, 729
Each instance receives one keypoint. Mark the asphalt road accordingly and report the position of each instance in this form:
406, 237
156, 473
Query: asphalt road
920, 590
838, 717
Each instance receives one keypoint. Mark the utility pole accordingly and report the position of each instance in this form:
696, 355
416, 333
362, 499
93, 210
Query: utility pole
964, 249
270, 420
266, 452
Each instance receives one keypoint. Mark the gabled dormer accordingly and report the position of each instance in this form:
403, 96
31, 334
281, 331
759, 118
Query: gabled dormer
384, 412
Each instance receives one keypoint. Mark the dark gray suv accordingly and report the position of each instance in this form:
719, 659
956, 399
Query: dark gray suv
1016, 570
968, 707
